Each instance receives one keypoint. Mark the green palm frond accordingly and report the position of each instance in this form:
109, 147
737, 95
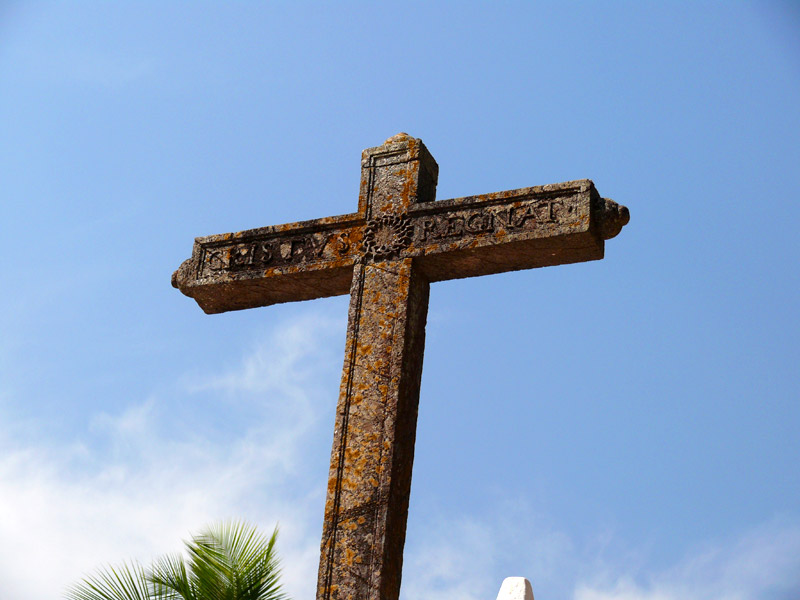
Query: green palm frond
126, 582
170, 578
235, 557
228, 561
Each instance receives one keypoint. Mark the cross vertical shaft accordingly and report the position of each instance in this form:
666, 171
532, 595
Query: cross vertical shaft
373, 448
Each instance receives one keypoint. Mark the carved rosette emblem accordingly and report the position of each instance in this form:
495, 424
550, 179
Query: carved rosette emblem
387, 235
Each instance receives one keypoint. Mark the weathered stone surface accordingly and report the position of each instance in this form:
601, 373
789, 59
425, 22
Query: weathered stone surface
386, 255
515, 588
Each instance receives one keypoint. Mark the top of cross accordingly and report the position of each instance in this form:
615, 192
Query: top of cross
397, 137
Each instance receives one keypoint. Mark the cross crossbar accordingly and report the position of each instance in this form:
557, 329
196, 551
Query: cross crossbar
462, 237
386, 255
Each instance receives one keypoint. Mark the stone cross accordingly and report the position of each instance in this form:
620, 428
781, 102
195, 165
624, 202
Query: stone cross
386, 255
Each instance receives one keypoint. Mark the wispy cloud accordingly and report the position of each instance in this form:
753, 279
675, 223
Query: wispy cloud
453, 555
468, 557
285, 363
763, 563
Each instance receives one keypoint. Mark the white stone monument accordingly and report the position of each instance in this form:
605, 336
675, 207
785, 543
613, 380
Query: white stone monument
515, 588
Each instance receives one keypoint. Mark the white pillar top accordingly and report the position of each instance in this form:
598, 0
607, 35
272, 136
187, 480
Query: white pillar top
515, 588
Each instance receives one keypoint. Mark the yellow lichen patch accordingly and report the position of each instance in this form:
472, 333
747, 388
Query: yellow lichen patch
397, 138
352, 453
349, 556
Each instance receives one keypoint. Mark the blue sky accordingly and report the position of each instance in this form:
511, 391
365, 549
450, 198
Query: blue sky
616, 430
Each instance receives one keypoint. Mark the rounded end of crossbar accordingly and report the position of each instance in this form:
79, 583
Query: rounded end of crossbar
182, 275
614, 218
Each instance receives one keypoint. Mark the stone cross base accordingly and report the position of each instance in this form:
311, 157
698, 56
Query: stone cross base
515, 588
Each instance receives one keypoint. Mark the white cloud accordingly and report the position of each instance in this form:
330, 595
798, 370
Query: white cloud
763, 563
454, 555
454, 561
138, 486
282, 363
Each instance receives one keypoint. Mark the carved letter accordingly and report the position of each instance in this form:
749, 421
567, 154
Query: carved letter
478, 223
455, 227
319, 246
543, 212
505, 217
266, 253
215, 261
528, 214
428, 226
297, 249
556, 209
241, 257
344, 243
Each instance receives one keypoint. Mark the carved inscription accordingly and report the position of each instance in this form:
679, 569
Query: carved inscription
266, 253
390, 235
524, 215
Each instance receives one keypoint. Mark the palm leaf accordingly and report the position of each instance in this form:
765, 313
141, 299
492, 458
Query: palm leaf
228, 561
127, 582
233, 556
169, 576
